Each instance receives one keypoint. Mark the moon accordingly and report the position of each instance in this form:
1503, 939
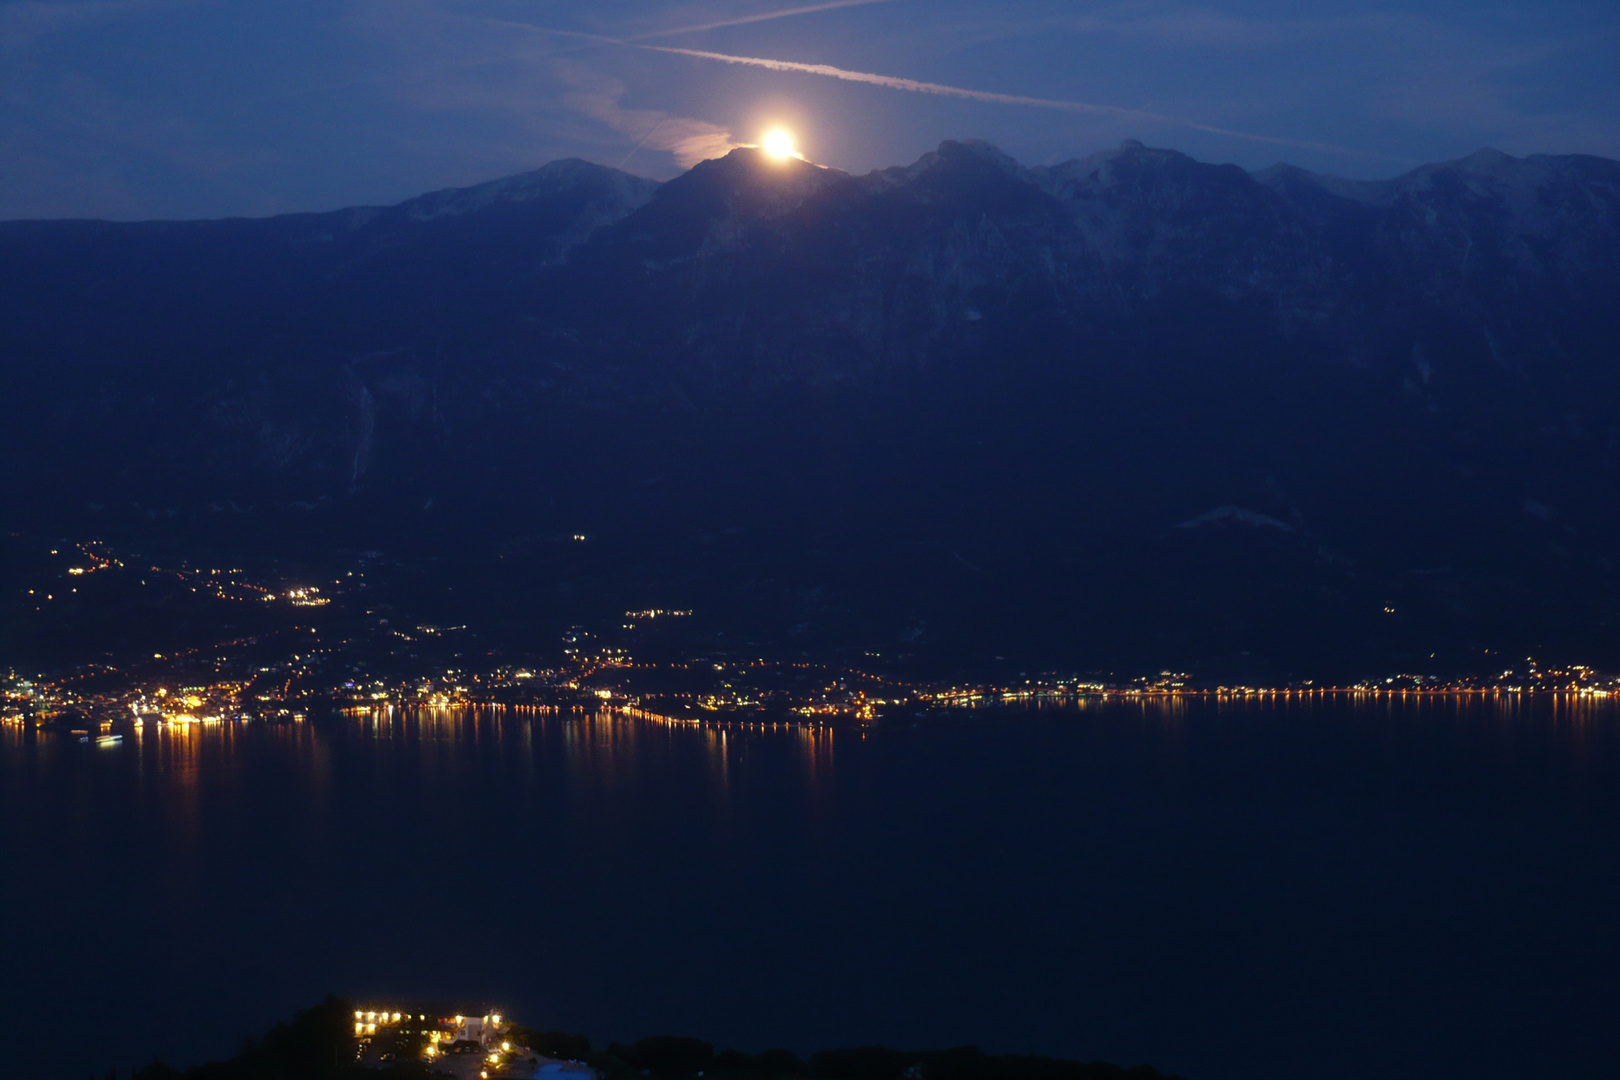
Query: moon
778, 143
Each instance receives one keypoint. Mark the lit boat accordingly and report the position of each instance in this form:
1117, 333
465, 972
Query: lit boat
109, 740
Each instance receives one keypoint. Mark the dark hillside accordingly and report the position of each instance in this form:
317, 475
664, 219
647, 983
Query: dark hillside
1127, 412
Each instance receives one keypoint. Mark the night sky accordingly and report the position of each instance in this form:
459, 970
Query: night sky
198, 108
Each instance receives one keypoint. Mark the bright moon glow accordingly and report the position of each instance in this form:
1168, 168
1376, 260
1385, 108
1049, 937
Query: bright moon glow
778, 143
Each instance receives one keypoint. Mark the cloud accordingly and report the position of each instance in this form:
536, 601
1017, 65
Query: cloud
449, 60
1174, 26
766, 16
598, 96
1438, 82
917, 86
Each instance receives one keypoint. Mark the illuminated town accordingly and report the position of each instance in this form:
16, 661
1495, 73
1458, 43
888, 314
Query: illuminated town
462, 1043
328, 651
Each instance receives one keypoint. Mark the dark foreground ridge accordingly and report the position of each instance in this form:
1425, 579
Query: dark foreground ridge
320, 1043
1129, 413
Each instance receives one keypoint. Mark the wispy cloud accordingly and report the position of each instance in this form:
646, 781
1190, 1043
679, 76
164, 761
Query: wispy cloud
688, 140
919, 87
764, 16
591, 93
1445, 79
599, 97
476, 63
674, 31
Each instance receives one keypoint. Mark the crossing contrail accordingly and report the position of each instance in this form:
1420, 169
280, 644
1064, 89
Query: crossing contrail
809, 9
917, 86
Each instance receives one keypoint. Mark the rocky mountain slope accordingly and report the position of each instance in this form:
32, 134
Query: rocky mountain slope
1128, 410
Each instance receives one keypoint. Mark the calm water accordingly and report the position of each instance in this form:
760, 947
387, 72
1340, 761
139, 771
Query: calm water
1429, 888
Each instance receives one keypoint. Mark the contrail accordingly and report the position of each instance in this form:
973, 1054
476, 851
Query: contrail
642, 143
763, 17
919, 87
603, 39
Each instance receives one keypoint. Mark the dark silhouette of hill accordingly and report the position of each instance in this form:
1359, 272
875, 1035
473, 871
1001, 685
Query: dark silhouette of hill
1125, 412
318, 1043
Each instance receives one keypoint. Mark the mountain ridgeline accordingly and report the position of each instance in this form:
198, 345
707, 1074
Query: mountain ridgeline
1127, 412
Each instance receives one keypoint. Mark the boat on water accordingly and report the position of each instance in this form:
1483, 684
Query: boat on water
104, 740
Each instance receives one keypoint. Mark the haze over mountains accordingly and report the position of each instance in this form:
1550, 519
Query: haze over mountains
1122, 413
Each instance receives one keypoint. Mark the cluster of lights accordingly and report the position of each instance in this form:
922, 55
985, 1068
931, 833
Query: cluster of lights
367, 1022
836, 697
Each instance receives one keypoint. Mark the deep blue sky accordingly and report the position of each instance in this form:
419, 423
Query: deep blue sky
200, 108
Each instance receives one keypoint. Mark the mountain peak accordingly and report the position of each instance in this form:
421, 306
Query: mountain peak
554, 178
955, 162
748, 180
1291, 181
714, 203
1150, 338
977, 149
1488, 157
1107, 168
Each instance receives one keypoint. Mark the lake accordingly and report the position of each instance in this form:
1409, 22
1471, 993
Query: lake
1399, 887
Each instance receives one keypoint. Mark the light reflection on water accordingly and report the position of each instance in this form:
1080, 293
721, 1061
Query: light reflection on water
602, 743
611, 746
1223, 886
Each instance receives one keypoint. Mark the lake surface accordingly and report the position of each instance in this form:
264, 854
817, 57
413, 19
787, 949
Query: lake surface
1396, 888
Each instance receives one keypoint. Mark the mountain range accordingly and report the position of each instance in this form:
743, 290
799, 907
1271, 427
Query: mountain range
1127, 412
